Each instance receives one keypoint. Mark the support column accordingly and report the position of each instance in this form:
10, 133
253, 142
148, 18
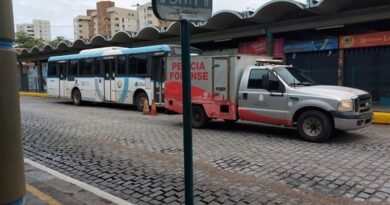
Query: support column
40, 76
12, 181
270, 44
340, 71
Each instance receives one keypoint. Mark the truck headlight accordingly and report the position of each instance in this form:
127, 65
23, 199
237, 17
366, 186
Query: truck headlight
345, 106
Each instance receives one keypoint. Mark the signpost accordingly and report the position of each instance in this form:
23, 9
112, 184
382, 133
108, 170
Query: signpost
184, 11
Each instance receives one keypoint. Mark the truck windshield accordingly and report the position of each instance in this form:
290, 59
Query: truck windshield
294, 77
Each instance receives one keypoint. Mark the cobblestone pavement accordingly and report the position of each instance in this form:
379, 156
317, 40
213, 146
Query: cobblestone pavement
139, 158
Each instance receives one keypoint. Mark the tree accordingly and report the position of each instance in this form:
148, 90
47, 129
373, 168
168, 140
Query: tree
23, 40
57, 41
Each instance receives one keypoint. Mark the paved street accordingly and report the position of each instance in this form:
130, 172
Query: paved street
139, 158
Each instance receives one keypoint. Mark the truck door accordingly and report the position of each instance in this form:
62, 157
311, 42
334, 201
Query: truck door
220, 75
62, 67
108, 66
262, 98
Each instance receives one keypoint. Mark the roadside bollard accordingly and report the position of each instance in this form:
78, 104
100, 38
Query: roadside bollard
12, 180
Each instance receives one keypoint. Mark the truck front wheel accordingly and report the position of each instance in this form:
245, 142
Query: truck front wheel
314, 126
199, 117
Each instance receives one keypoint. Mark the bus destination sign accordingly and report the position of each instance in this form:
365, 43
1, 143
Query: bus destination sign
175, 10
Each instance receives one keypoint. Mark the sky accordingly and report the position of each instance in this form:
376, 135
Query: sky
61, 12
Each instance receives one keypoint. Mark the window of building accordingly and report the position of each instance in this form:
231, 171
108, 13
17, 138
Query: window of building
80, 26
117, 19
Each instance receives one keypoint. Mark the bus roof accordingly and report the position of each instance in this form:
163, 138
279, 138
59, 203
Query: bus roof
118, 51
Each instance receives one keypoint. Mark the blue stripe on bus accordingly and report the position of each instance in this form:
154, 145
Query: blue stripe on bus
125, 90
127, 51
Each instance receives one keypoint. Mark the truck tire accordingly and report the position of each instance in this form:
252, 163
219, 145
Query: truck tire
314, 126
199, 117
76, 97
139, 101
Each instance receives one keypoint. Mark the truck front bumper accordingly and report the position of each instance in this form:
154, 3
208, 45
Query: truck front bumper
347, 121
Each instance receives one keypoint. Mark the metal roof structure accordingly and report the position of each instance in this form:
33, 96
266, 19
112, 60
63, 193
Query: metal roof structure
275, 16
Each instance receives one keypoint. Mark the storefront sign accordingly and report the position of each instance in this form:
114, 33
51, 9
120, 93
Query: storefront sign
311, 45
258, 47
175, 10
278, 48
365, 40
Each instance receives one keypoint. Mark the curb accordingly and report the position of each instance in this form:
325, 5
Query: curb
381, 118
43, 95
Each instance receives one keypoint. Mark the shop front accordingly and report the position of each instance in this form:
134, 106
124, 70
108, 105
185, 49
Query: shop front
367, 64
317, 58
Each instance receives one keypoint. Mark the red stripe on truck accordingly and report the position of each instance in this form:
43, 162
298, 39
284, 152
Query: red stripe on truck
254, 117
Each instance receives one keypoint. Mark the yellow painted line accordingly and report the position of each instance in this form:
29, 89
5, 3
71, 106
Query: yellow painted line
42, 196
381, 118
44, 95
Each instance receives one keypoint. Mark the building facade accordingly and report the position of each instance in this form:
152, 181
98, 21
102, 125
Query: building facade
123, 20
81, 26
146, 18
39, 29
105, 20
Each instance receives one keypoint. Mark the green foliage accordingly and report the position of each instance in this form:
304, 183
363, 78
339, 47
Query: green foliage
23, 40
58, 40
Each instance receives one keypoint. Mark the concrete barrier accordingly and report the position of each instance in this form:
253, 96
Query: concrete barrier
381, 118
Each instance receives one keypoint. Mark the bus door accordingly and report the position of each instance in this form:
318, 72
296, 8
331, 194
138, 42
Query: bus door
158, 78
108, 65
62, 70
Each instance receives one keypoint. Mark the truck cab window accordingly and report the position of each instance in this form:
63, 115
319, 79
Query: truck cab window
256, 79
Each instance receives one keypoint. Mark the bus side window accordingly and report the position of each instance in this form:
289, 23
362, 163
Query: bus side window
98, 68
52, 69
132, 65
73, 64
121, 66
142, 65
87, 69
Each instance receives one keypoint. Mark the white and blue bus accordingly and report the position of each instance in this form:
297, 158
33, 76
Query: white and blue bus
112, 74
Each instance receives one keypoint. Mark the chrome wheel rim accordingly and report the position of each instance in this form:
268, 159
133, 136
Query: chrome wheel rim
312, 126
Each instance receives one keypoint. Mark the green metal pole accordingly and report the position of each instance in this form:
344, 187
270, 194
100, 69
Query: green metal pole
187, 111
12, 181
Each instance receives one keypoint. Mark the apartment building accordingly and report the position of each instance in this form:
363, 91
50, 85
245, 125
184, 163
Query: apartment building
81, 27
106, 20
147, 18
123, 20
39, 29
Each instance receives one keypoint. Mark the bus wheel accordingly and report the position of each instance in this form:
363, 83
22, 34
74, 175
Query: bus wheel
314, 126
199, 117
140, 100
76, 97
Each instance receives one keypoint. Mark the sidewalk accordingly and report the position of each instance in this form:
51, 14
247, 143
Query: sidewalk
44, 188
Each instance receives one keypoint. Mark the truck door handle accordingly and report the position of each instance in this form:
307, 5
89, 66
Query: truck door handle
245, 96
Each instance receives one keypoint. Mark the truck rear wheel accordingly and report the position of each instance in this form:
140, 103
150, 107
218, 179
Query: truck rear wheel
199, 117
314, 126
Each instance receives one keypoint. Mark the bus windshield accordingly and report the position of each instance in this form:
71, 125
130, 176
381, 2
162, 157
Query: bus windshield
294, 77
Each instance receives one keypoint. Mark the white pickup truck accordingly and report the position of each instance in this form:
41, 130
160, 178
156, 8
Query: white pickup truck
238, 87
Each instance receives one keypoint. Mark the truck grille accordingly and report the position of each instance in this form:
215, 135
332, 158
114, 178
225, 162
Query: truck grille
363, 103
